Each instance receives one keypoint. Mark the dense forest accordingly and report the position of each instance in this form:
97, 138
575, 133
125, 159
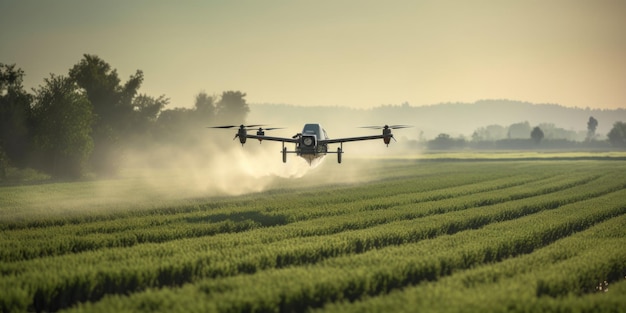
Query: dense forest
82, 123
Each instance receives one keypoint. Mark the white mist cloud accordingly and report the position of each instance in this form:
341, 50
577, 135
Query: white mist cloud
214, 168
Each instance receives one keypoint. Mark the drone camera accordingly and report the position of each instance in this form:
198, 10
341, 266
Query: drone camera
308, 141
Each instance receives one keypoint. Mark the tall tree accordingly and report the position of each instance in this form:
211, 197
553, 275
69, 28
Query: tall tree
592, 124
14, 116
62, 117
203, 112
205, 106
536, 135
617, 135
232, 108
113, 108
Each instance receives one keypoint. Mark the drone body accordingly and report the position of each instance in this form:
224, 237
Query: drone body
312, 143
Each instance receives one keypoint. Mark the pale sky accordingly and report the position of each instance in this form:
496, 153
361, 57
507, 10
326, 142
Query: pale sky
346, 53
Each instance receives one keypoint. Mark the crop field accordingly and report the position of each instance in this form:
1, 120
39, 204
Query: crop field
400, 235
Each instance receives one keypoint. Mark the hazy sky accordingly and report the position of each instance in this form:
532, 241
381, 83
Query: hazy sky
354, 53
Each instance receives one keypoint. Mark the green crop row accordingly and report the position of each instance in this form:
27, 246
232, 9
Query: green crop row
358, 221
131, 231
306, 247
584, 272
155, 228
376, 272
88, 276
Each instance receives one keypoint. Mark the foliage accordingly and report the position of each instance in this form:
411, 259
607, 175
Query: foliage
445, 142
57, 128
617, 135
180, 127
488, 136
113, 108
552, 132
232, 107
62, 134
205, 107
477, 236
489, 133
144, 117
4, 164
536, 135
592, 124
518, 131
15, 116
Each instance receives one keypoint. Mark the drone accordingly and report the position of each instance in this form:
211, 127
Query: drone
312, 143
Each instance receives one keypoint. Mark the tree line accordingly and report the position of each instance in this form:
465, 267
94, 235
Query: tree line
523, 136
81, 123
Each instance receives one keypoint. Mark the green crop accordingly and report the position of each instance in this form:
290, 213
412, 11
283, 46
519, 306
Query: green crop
450, 236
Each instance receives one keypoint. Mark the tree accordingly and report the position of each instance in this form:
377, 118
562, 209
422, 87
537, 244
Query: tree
205, 106
519, 130
15, 116
592, 124
489, 133
113, 108
62, 118
182, 127
145, 112
445, 142
170, 126
203, 113
552, 132
536, 135
4, 164
232, 108
617, 135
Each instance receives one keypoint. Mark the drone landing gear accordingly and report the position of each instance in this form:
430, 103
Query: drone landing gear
339, 152
284, 153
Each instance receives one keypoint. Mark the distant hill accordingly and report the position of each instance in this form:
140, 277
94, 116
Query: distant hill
455, 119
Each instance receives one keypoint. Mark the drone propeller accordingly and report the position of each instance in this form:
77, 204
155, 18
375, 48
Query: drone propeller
388, 127
239, 126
